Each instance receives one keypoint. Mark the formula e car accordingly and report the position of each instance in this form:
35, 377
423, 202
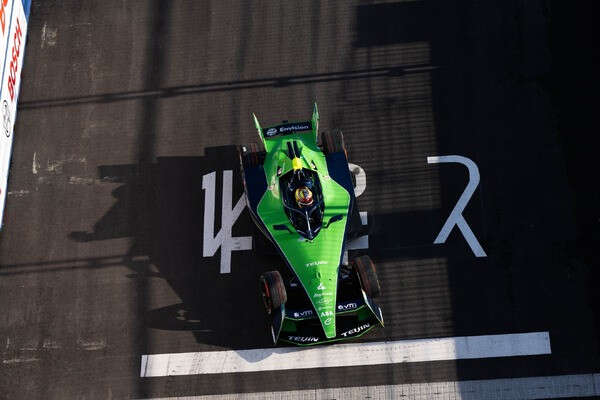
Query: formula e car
301, 197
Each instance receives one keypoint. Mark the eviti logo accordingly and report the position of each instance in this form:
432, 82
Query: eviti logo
3, 4
14, 62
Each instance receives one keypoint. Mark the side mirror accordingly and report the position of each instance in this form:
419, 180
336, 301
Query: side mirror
335, 218
282, 227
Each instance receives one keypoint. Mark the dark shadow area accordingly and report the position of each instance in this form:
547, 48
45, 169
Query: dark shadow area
135, 218
391, 23
156, 92
574, 90
167, 202
491, 103
228, 304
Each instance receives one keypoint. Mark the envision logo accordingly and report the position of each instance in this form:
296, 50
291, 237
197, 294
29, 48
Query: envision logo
294, 128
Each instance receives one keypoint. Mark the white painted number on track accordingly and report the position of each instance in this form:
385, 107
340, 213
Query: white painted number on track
456, 217
223, 238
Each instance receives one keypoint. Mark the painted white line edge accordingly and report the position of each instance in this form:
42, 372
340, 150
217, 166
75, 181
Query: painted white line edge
538, 387
345, 355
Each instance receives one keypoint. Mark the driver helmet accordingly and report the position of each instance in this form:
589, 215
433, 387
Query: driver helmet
304, 196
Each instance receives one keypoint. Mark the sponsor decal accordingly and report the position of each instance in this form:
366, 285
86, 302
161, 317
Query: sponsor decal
322, 294
14, 62
356, 330
303, 339
327, 321
326, 313
312, 264
3, 4
294, 128
271, 132
321, 286
347, 306
286, 128
6, 118
303, 314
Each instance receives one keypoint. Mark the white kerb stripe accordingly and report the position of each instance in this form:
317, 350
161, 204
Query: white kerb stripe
537, 387
344, 355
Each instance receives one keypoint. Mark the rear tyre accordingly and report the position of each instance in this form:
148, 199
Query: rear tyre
333, 142
272, 290
252, 155
367, 275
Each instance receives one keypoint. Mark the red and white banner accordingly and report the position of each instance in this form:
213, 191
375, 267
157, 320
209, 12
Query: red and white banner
13, 32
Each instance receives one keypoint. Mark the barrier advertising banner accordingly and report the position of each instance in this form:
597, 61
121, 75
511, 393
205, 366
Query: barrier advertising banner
14, 15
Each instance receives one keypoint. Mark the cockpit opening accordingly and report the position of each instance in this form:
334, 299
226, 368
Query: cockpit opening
302, 198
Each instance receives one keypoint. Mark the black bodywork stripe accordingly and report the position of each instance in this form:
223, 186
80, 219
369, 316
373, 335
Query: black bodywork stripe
337, 165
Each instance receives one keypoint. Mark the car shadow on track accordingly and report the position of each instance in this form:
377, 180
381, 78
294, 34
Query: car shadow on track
221, 309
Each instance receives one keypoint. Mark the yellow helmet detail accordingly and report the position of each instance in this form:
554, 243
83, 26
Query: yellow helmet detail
296, 163
303, 196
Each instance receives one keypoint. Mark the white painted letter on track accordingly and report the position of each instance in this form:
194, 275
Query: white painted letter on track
361, 178
456, 217
223, 238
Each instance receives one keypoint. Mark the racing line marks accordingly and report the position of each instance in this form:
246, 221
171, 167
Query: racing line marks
345, 355
456, 217
48, 36
35, 165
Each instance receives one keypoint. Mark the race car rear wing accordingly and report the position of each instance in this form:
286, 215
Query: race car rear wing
288, 128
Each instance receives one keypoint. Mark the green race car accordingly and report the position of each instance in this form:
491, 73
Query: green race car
301, 197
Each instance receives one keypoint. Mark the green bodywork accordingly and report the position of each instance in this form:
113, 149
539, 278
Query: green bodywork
316, 261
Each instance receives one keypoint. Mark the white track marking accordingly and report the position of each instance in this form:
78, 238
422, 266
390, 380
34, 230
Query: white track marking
363, 241
35, 164
223, 238
344, 355
456, 217
360, 242
361, 179
537, 387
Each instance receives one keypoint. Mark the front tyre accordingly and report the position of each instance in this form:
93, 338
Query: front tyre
272, 291
252, 155
367, 274
333, 142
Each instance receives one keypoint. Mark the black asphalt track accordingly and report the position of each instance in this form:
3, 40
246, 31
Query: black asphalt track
126, 106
